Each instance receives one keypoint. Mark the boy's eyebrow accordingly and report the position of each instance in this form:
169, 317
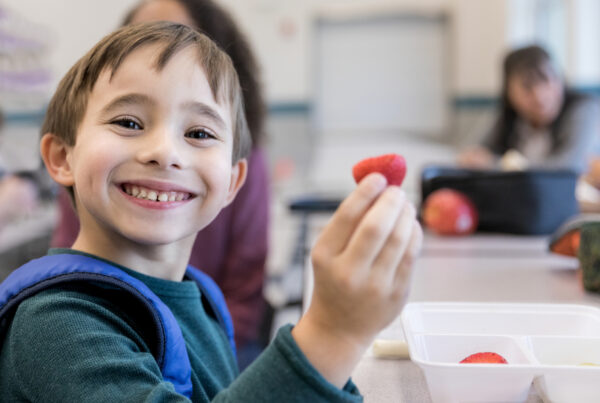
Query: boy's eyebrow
200, 108
127, 100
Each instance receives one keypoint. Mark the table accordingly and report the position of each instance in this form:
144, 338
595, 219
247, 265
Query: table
479, 268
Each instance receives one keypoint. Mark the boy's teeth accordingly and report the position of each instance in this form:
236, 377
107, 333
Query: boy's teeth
142, 193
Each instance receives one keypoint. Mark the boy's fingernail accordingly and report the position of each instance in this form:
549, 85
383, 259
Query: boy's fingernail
377, 179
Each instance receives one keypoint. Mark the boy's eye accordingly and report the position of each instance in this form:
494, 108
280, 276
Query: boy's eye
127, 124
199, 134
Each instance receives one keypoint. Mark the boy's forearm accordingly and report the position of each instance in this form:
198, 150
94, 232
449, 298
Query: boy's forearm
332, 353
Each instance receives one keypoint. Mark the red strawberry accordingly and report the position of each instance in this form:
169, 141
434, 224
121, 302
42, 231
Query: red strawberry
449, 212
484, 358
392, 166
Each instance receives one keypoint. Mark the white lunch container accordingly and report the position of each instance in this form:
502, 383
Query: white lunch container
550, 345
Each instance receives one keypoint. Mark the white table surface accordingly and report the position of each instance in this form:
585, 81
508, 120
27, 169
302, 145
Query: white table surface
480, 268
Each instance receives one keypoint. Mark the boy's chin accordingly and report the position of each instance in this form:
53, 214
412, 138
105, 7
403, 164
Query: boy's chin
159, 241
160, 237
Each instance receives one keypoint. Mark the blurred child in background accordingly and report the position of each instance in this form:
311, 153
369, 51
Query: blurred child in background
548, 125
18, 195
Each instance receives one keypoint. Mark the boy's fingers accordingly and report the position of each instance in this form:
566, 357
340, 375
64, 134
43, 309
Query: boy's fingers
346, 218
403, 270
396, 245
374, 229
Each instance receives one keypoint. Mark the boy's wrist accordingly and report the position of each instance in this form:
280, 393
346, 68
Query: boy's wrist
333, 351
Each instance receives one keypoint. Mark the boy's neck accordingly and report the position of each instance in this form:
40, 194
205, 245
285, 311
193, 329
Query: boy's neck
167, 262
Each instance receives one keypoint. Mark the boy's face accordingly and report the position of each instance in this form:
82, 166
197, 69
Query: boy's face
152, 159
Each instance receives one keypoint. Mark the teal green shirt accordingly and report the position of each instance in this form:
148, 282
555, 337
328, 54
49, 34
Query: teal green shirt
74, 344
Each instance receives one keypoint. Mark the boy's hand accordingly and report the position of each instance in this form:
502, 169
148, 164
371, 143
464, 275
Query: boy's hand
362, 263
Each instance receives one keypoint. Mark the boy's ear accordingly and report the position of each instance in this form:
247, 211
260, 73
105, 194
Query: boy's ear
54, 153
238, 177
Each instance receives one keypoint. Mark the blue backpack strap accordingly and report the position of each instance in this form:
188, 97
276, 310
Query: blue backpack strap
170, 352
216, 300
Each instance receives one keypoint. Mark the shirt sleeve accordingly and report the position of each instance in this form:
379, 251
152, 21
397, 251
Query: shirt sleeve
580, 131
283, 373
64, 347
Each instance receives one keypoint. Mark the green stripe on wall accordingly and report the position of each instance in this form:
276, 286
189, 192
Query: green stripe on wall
277, 108
485, 101
31, 117
289, 108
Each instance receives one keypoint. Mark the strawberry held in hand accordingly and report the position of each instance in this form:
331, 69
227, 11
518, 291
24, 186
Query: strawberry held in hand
484, 358
392, 166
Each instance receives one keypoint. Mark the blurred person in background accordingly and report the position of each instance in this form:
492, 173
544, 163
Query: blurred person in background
18, 195
541, 123
233, 248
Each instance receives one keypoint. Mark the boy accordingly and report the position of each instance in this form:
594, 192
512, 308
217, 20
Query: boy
147, 131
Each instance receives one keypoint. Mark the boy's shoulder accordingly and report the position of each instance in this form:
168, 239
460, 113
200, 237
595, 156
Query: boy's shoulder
87, 294
56, 336
65, 309
80, 302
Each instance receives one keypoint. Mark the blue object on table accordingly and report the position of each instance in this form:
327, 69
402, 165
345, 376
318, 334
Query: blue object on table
314, 204
529, 202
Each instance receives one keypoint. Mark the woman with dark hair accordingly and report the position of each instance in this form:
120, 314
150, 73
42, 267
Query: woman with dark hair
549, 125
233, 248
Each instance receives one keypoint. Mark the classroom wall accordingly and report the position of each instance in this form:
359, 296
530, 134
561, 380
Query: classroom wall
282, 34
583, 35
479, 38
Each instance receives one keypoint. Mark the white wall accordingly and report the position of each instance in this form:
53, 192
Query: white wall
479, 41
583, 57
281, 32
386, 73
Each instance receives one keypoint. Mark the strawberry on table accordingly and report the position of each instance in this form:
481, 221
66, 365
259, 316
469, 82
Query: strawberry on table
450, 212
392, 166
484, 358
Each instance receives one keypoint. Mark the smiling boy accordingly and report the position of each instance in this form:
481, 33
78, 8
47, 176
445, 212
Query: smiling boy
148, 132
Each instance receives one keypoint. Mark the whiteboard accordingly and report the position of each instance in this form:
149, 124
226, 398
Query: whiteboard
382, 73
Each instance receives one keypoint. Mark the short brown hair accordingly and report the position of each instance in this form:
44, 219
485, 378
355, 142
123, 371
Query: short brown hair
213, 20
67, 107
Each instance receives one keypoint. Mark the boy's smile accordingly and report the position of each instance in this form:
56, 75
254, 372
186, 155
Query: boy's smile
152, 162
156, 195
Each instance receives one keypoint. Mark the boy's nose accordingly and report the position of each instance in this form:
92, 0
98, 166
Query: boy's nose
161, 149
